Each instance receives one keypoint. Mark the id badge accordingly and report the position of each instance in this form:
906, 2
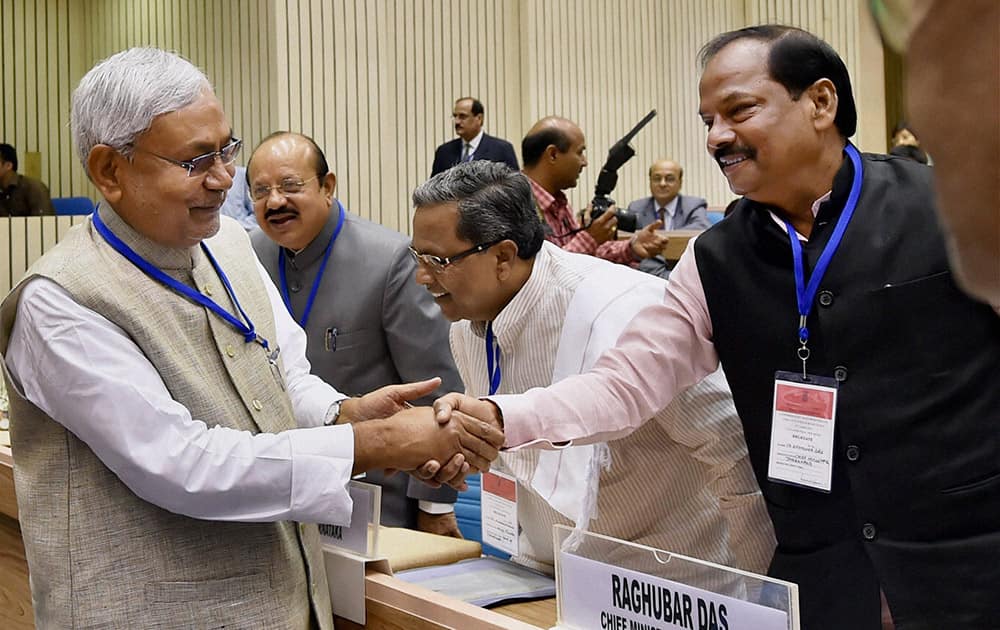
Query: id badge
803, 419
499, 512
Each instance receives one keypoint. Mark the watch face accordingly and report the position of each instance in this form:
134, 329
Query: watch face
333, 414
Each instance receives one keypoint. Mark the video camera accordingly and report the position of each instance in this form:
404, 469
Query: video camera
619, 153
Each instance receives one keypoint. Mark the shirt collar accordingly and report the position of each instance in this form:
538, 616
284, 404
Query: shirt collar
671, 206
511, 320
546, 200
317, 247
474, 143
163, 258
815, 210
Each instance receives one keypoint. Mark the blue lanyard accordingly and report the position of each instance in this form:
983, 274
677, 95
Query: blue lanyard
806, 292
492, 359
247, 329
319, 274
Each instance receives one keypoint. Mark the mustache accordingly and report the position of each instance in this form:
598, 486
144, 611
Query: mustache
734, 149
282, 210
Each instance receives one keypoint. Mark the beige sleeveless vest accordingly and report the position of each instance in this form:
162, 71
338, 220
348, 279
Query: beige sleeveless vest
99, 556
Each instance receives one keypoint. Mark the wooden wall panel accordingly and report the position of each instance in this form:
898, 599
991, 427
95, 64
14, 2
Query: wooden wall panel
228, 39
42, 42
374, 80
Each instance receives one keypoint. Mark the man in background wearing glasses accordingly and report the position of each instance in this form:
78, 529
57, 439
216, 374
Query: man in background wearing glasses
348, 283
166, 431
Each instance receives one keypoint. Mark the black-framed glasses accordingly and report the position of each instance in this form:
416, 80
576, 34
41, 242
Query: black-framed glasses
286, 187
201, 164
437, 264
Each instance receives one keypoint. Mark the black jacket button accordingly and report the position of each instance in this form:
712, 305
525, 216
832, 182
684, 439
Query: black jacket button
853, 453
868, 531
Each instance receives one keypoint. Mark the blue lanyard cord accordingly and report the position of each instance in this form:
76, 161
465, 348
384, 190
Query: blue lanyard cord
492, 359
805, 293
245, 329
319, 274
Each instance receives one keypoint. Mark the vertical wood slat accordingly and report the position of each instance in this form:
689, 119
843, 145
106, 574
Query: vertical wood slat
379, 101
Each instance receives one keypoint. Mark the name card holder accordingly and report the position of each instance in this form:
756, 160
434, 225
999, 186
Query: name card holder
349, 550
606, 583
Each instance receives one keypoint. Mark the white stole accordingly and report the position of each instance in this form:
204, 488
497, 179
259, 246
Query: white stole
603, 304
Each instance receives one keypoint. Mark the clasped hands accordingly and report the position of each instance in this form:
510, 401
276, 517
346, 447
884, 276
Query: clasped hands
458, 437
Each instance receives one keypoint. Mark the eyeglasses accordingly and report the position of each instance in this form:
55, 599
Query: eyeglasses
438, 264
200, 165
286, 187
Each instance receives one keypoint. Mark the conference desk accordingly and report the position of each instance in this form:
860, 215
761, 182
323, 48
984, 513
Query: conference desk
15, 594
677, 243
392, 603
389, 602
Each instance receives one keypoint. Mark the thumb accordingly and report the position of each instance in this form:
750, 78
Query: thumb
655, 225
416, 389
444, 406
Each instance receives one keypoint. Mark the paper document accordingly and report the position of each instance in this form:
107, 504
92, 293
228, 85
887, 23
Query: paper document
483, 581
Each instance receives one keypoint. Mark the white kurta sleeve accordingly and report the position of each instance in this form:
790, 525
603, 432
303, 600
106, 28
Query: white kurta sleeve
90, 377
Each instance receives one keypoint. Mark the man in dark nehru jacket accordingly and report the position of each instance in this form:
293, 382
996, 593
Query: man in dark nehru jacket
828, 299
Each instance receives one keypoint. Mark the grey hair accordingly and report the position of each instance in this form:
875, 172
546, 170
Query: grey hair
119, 97
494, 203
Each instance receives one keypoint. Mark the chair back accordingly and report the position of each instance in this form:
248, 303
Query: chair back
72, 205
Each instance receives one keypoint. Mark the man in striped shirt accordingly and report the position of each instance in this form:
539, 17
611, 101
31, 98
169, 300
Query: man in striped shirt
554, 153
682, 481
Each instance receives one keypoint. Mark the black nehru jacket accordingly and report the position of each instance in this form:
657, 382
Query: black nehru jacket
915, 505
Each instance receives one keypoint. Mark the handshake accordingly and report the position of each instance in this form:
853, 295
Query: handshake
459, 436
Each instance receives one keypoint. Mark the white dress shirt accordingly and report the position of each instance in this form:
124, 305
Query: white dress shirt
669, 211
89, 376
474, 143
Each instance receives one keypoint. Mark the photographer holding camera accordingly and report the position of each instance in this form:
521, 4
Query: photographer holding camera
553, 153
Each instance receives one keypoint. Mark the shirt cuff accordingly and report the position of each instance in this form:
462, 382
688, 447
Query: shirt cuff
433, 507
519, 424
322, 461
328, 419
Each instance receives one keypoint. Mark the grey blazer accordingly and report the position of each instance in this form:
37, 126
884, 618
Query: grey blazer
691, 214
371, 325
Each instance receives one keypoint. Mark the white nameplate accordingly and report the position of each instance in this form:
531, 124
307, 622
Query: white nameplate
498, 503
597, 595
367, 507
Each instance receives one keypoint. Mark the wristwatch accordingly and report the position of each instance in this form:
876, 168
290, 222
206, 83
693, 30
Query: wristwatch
333, 413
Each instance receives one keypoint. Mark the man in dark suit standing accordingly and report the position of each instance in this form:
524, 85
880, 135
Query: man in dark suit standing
472, 142
678, 212
349, 283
